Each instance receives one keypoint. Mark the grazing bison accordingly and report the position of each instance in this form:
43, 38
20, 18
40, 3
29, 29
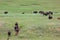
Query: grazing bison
46, 13
50, 12
41, 12
5, 12
50, 17
35, 12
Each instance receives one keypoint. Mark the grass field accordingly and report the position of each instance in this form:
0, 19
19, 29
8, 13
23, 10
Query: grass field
33, 26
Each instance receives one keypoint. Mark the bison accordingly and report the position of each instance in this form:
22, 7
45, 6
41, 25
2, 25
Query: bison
50, 17
50, 12
35, 12
6, 12
41, 12
46, 13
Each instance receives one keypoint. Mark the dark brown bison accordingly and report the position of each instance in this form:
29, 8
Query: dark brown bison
50, 12
46, 13
35, 12
9, 34
6, 12
41, 12
50, 17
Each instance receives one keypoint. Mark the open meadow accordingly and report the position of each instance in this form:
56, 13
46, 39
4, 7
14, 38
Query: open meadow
32, 26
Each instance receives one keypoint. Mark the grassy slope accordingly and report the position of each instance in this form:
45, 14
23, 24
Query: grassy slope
34, 27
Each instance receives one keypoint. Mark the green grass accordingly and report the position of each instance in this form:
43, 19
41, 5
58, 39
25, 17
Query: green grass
29, 5
33, 26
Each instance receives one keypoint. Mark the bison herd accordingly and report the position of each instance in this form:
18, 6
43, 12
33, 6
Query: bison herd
49, 13
44, 13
